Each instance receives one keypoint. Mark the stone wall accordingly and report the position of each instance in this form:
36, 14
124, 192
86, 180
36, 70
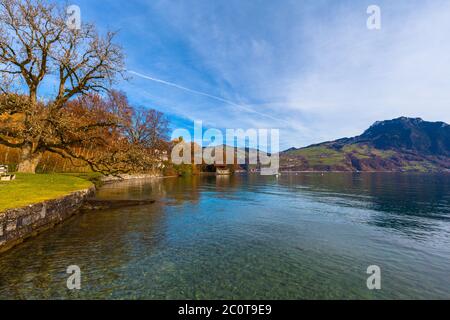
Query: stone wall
16, 225
122, 177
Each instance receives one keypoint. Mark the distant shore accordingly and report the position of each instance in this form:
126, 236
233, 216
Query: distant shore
122, 177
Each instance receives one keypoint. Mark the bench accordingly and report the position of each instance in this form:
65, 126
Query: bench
4, 176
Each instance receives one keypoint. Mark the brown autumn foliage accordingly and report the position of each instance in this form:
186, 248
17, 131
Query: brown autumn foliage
104, 133
36, 44
75, 123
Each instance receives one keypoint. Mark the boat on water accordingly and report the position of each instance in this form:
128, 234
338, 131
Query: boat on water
223, 171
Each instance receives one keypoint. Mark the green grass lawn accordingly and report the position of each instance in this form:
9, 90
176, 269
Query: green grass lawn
29, 189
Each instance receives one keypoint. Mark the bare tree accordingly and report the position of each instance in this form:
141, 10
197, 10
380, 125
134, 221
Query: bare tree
148, 128
37, 45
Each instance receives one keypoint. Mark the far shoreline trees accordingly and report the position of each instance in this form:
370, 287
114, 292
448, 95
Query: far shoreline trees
37, 47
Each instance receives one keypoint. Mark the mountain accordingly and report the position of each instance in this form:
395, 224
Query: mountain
403, 144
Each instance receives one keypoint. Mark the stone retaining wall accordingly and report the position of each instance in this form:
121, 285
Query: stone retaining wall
129, 177
16, 225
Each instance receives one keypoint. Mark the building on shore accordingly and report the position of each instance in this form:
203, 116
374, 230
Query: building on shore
223, 171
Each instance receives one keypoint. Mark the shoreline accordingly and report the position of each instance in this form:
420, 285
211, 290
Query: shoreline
20, 224
126, 177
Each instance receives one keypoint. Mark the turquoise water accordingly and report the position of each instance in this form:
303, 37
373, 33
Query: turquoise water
303, 236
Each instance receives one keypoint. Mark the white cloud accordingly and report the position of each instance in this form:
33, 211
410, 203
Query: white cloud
312, 64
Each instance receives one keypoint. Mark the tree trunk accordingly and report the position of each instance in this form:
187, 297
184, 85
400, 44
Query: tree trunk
29, 160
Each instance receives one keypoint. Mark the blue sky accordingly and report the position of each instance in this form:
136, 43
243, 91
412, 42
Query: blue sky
309, 68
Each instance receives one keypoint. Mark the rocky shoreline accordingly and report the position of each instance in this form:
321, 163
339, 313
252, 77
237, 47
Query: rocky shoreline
19, 224
123, 177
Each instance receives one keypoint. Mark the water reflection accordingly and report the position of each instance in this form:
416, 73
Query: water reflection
298, 236
415, 204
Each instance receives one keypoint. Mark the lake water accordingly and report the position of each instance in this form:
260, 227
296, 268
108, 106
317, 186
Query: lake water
304, 236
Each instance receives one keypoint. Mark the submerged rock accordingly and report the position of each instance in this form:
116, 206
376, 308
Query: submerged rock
94, 204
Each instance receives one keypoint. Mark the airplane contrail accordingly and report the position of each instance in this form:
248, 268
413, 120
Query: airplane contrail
174, 85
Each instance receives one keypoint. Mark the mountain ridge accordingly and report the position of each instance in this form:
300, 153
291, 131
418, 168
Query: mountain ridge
401, 144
